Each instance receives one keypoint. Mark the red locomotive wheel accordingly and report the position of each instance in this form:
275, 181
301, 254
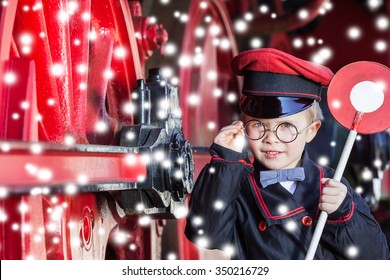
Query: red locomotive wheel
67, 69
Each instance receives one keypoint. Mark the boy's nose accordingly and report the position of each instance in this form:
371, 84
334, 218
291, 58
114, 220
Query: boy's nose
270, 136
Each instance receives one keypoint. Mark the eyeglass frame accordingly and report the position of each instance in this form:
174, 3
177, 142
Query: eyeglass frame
274, 131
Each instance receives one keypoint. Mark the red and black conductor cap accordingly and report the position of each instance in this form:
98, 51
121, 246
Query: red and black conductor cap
277, 84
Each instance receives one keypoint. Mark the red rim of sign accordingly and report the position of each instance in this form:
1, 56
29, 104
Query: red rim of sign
339, 93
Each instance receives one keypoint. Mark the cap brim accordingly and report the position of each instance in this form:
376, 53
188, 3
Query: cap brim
268, 107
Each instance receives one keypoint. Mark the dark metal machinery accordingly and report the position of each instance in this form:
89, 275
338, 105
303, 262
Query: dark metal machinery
158, 136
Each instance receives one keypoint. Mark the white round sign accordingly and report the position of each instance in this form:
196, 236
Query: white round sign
367, 97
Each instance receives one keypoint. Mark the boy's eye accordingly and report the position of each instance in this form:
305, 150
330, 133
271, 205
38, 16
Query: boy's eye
259, 124
286, 125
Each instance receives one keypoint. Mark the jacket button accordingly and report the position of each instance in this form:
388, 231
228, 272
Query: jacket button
307, 221
262, 226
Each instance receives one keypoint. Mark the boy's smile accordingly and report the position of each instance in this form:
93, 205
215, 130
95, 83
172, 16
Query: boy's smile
271, 154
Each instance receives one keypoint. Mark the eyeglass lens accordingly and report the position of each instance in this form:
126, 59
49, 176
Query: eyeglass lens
285, 132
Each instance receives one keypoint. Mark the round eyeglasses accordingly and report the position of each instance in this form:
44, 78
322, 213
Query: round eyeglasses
285, 132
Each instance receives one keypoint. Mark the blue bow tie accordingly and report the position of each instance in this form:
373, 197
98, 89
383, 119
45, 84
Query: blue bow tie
270, 177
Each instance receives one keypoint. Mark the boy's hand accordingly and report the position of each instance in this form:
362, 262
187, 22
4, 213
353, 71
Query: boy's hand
231, 137
333, 194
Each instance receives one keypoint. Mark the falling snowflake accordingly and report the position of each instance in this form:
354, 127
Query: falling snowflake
76, 241
141, 178
323, 160
203, 5
170, 49
297, 43
146, 159
44, 174
26, 228
10, 78
3, 192
15, 116
202, 242
132, 247
140, 207
82, 68
200, 32
144, 221
52, 227
229, 250
219, 204
352, 251
101, 231
248, 16
120, 237
23, 208
36, 191
264, 9
231, 97
101, 127
185, 61
69, 140
380, 46
178, 174
367, 174
72, 7
36, 148
15, 227
184, 18
282, 209
164, 2
86, 16
3, 216
197, 221
82, 179
240, 26
172, 256
63, 16
359, 189
382, 23
303, 14
24, 105
37, 238
354, 32
256, 43
181, 212
291, 226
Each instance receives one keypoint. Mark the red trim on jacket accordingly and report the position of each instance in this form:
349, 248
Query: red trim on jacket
321, 186
215, 157
346, 217
264, 205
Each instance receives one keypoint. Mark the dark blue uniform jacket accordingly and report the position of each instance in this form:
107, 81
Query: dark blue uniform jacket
272, 223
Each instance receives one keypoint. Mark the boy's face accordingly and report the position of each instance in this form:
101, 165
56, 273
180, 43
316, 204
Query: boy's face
273, 153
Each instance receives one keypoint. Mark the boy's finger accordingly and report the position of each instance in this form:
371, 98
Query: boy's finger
330, 191
329, 199
230, 130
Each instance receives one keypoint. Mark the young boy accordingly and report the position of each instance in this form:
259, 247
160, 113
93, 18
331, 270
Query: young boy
269, 209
